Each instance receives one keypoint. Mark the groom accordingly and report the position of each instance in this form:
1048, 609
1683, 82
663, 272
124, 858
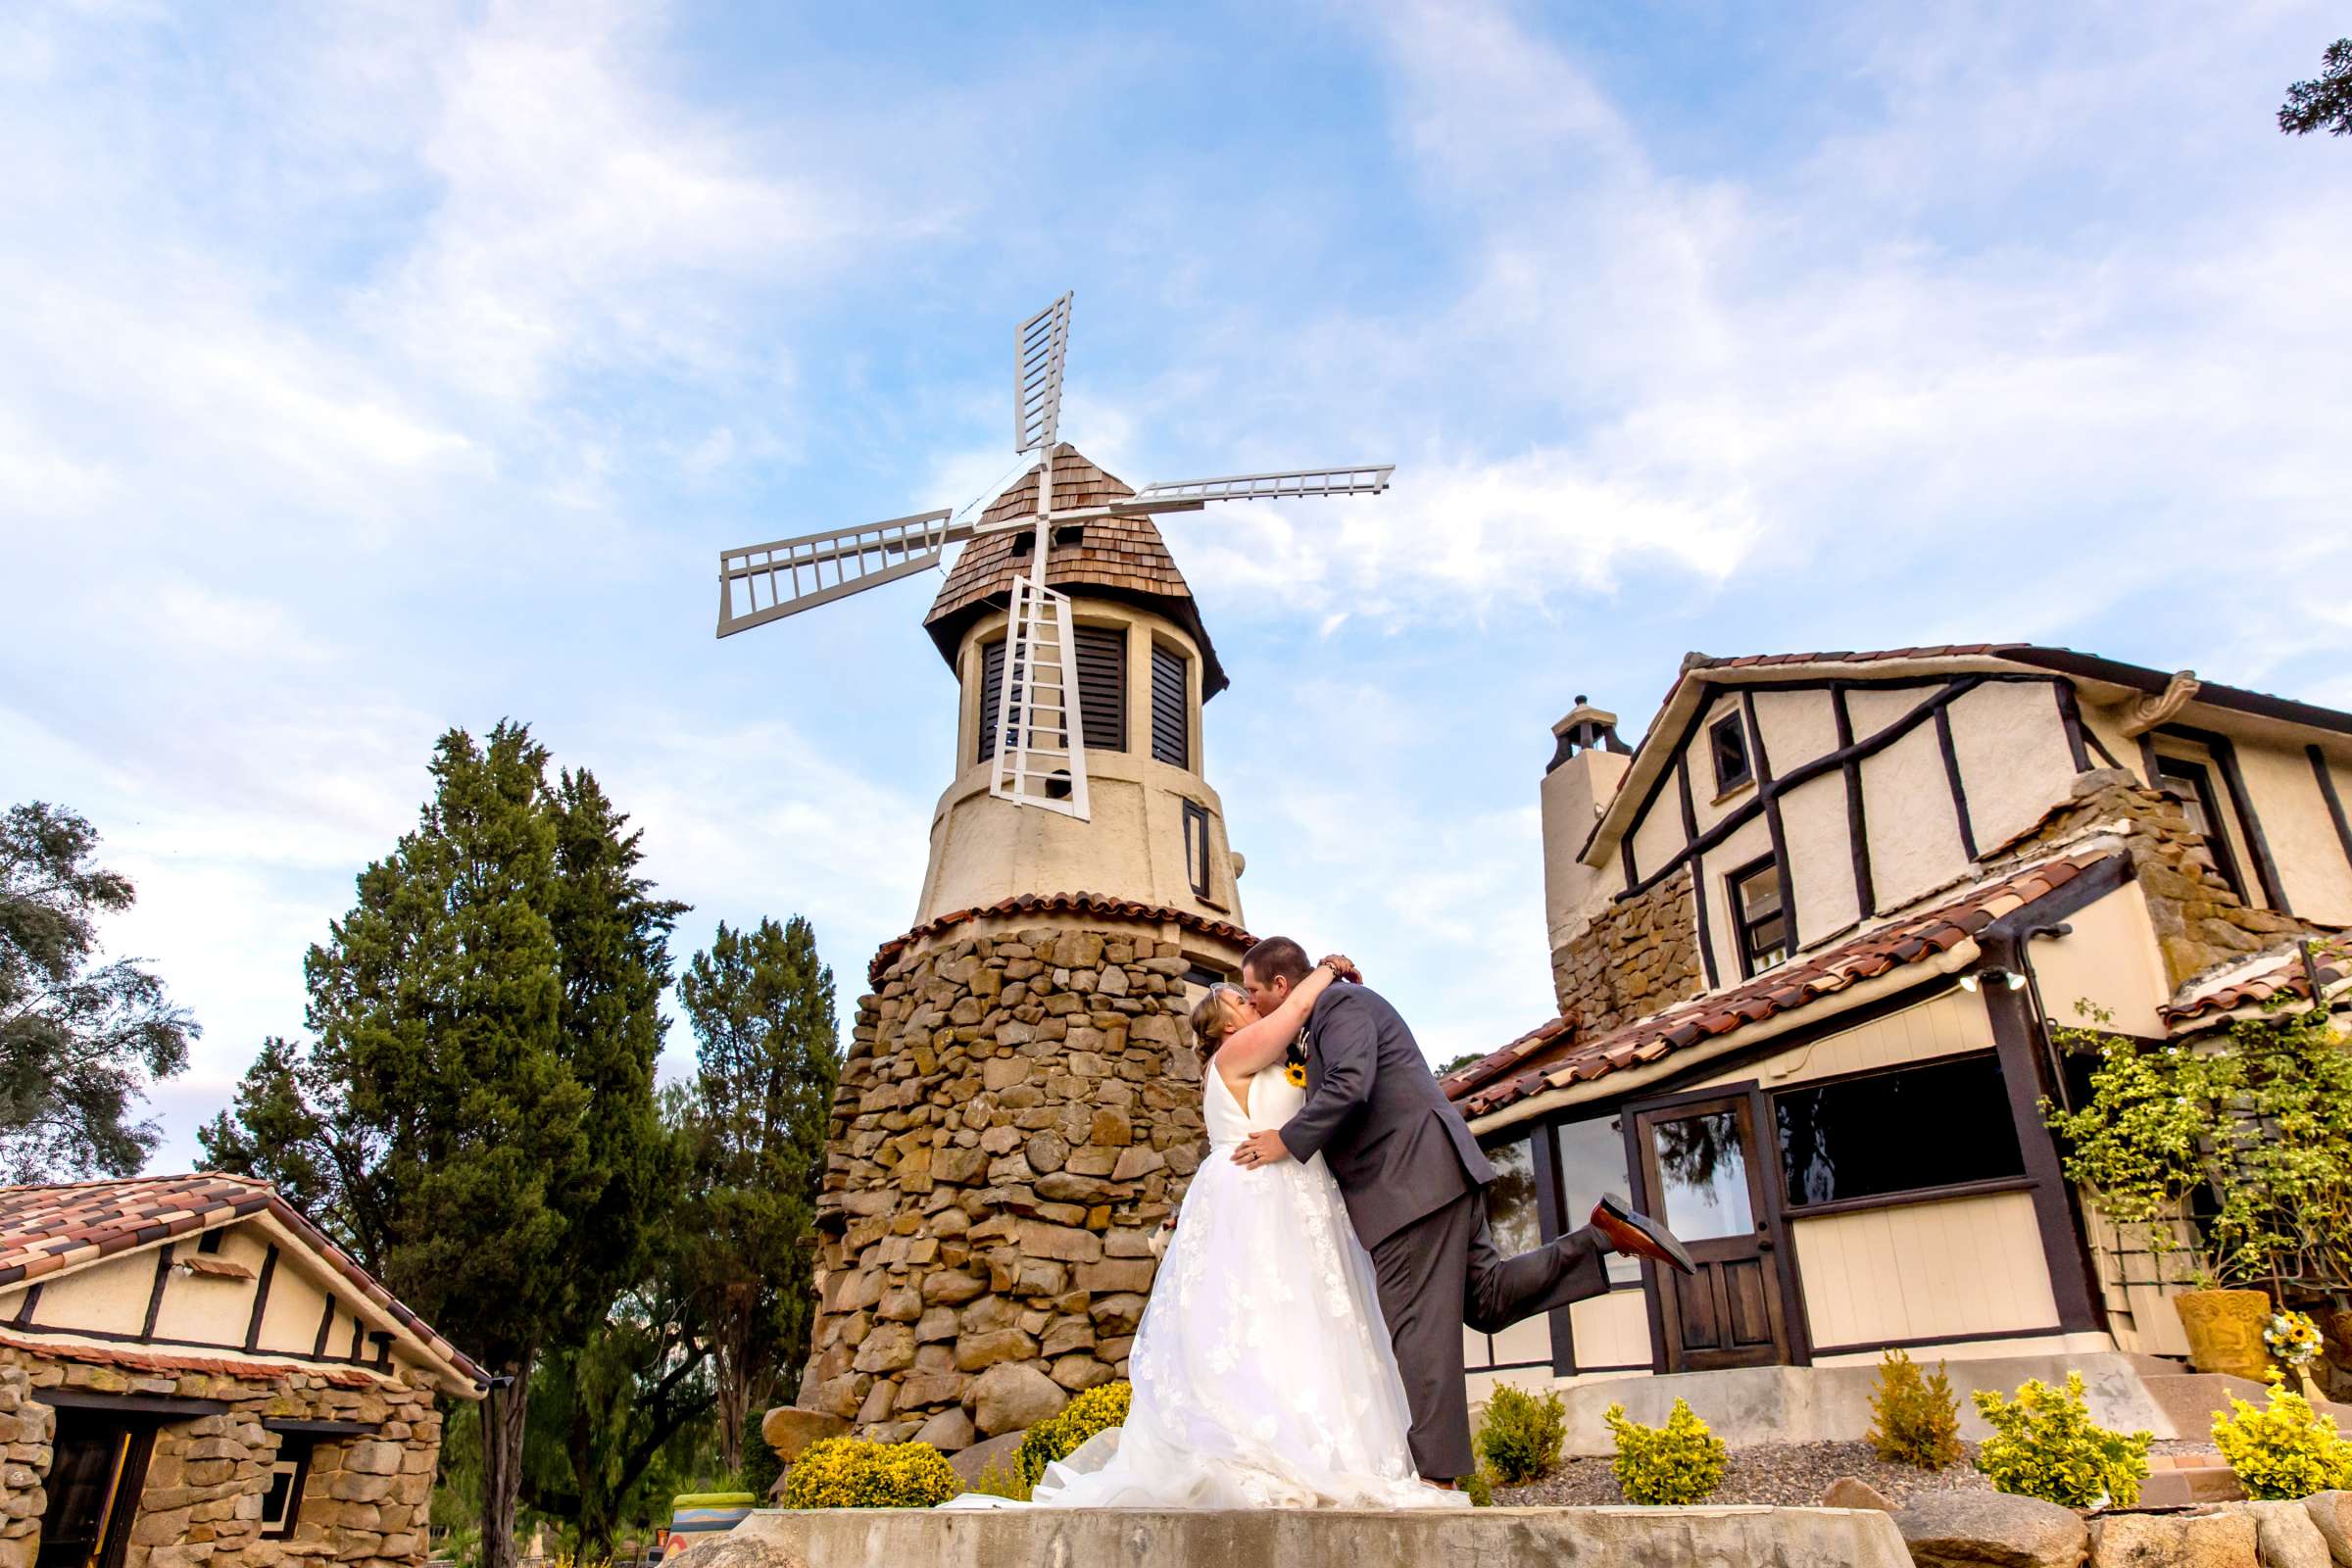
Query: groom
1414, 1182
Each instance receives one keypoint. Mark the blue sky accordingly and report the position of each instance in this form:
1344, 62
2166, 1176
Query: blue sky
367, 371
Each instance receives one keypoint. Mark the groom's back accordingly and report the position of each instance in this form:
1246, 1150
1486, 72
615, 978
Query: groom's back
1406, 1151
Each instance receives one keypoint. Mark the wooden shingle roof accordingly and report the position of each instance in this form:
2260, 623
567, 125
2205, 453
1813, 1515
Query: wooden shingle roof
1103, 558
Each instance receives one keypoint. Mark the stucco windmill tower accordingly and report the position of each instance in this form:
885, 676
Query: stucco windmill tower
1021, 1107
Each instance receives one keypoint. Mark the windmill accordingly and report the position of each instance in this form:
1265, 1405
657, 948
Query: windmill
1039, 706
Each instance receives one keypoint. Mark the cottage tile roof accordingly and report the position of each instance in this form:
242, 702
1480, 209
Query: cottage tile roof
1551, 1057
46, 1229
2255, 983
1094, 903
1118, 558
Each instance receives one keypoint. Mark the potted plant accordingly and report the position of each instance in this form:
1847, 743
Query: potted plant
2237, 1151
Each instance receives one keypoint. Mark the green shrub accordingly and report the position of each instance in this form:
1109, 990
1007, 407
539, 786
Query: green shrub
2289, 1450
2045, 1445
1058, 1436
1677, 1463
1521, 1436
852, 1473
1918, 1414
761, 1466
1480, 1488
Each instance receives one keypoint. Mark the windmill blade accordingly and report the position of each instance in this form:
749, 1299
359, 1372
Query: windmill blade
1190, 495
1040, 345
1038, 717
761, 583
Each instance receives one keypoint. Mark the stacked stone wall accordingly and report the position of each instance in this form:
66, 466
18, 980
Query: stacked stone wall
365, 1498
2199, 921
1016, 1116
1635, 958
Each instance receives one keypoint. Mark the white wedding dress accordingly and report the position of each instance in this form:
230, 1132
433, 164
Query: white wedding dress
1261, 1370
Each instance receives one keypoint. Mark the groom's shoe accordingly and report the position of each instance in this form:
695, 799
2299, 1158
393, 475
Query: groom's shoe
1637, 1235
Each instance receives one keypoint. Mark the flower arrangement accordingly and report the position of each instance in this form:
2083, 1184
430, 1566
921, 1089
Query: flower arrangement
1294, 1065
2295, 1339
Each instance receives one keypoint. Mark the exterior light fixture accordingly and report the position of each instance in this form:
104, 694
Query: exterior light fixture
2001, 977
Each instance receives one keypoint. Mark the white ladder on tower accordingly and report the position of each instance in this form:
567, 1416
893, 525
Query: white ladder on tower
1036, 763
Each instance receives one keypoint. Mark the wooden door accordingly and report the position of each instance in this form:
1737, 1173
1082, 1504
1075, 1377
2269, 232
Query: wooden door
1705, 1177
96, 1468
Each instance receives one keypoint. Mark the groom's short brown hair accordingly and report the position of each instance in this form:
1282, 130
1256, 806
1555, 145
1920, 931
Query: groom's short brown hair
1277, 958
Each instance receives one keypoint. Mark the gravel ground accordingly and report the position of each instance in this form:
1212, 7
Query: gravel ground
1786, 1474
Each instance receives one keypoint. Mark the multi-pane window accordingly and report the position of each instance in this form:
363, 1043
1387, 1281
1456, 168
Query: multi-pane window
1938, 1125
1171, 727
1727, 743
1758, 915
2191, 785
1591, 1159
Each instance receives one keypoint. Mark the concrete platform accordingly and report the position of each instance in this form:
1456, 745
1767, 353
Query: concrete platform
1481, 1538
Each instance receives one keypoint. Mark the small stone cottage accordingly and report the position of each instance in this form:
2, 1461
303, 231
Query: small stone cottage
191, 1373
1811, 937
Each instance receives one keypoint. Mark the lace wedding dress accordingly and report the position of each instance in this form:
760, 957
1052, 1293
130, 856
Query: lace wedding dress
1261, 1369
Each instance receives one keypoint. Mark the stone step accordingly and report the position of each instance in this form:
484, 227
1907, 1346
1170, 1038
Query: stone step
2192, 1400
2180, 1480
1282, 1537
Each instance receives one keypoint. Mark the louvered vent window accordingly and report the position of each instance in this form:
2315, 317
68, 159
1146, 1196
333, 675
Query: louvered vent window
1171, 730
991, 692
1102, 686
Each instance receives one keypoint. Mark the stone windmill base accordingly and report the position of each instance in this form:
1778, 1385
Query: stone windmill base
1020, 1109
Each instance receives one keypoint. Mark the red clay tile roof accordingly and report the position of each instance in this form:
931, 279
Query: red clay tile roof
1113, 558
1550, 1056
1058, 903
46, 1229
161, 1361
2284, 973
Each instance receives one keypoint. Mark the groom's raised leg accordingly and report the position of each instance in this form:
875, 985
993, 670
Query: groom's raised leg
1498, 1291
1417, 1270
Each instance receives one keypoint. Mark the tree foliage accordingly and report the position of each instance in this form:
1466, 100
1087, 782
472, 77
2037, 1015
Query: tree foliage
2323, 103
79, 1039
474, 1113
2244, 1142
767, 1045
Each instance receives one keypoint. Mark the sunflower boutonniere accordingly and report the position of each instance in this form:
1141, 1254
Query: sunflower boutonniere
1294, 1065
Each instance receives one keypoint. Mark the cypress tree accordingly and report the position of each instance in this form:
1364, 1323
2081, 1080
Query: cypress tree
476, 1113
760, 1005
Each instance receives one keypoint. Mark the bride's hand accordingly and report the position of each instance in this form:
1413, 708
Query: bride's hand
1343, 967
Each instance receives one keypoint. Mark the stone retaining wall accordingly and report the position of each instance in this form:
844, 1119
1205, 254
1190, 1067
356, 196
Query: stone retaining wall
1018, 1114
364, 1497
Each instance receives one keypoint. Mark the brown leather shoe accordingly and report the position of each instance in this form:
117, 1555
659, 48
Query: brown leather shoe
1637, 1235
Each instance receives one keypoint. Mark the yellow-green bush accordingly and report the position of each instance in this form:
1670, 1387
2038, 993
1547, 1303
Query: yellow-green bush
1521, 1436
1679, 1462
1058, 1436
2044, 1445
852, 1473
1000, 1481
2289, 1450
1479, 1486
1918, 1414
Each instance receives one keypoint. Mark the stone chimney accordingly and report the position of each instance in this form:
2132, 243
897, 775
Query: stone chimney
1588, 764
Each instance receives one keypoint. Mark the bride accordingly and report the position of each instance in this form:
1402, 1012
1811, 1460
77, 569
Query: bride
1262, 1374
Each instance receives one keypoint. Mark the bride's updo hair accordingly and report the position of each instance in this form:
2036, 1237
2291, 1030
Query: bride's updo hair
1212, 1019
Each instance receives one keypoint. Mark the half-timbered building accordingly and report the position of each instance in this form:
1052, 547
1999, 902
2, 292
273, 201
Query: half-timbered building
1810, 939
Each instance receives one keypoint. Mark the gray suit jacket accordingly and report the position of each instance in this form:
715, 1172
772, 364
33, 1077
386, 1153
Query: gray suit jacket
1376, 1115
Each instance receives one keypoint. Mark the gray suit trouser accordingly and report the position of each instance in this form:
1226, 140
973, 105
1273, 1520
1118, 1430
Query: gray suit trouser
1443, 1272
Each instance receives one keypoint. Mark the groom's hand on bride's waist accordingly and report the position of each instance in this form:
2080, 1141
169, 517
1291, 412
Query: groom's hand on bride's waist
1261, 1148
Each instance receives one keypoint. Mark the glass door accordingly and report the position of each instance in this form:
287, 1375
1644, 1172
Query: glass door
1701, 1170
